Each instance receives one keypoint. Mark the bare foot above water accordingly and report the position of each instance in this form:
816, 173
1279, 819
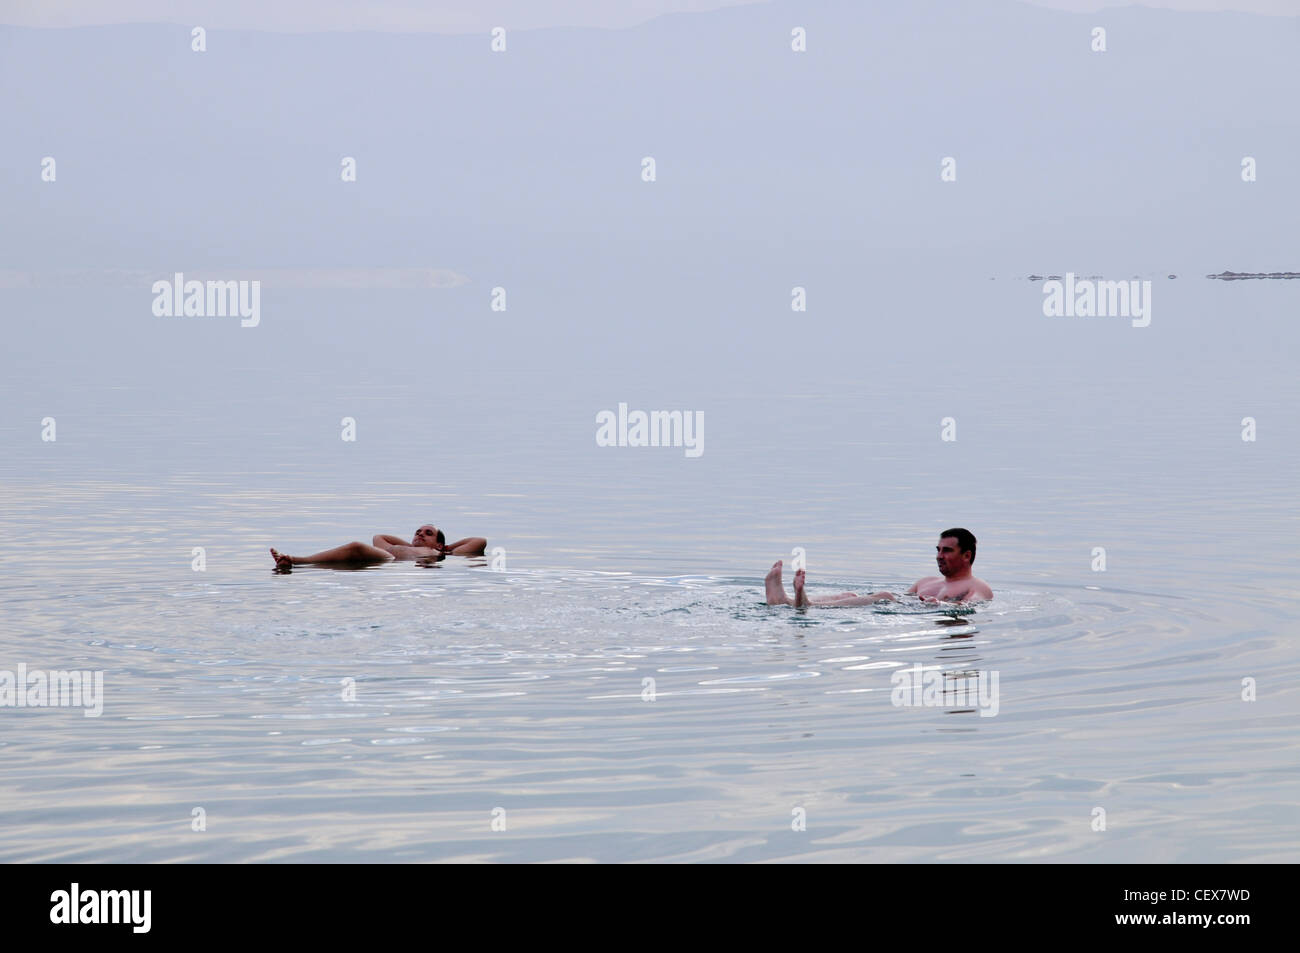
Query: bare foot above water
775, 587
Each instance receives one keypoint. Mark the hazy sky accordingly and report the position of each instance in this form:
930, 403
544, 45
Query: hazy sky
453, 15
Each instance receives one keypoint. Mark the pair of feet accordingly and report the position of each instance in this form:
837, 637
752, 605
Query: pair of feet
776, 589
776, 593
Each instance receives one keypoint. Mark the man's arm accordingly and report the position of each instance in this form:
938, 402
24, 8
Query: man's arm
382, 538
469, 546
978, 594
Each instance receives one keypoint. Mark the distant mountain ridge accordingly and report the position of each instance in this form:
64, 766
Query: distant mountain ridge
231, 157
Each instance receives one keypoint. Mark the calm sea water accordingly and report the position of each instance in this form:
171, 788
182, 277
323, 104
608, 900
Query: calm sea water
524, 689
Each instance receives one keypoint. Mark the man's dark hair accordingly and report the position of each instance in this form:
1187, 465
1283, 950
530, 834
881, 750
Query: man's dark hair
965, 541
442, 540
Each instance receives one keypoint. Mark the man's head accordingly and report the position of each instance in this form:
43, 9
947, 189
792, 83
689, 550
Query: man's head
430, 536
956, 551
